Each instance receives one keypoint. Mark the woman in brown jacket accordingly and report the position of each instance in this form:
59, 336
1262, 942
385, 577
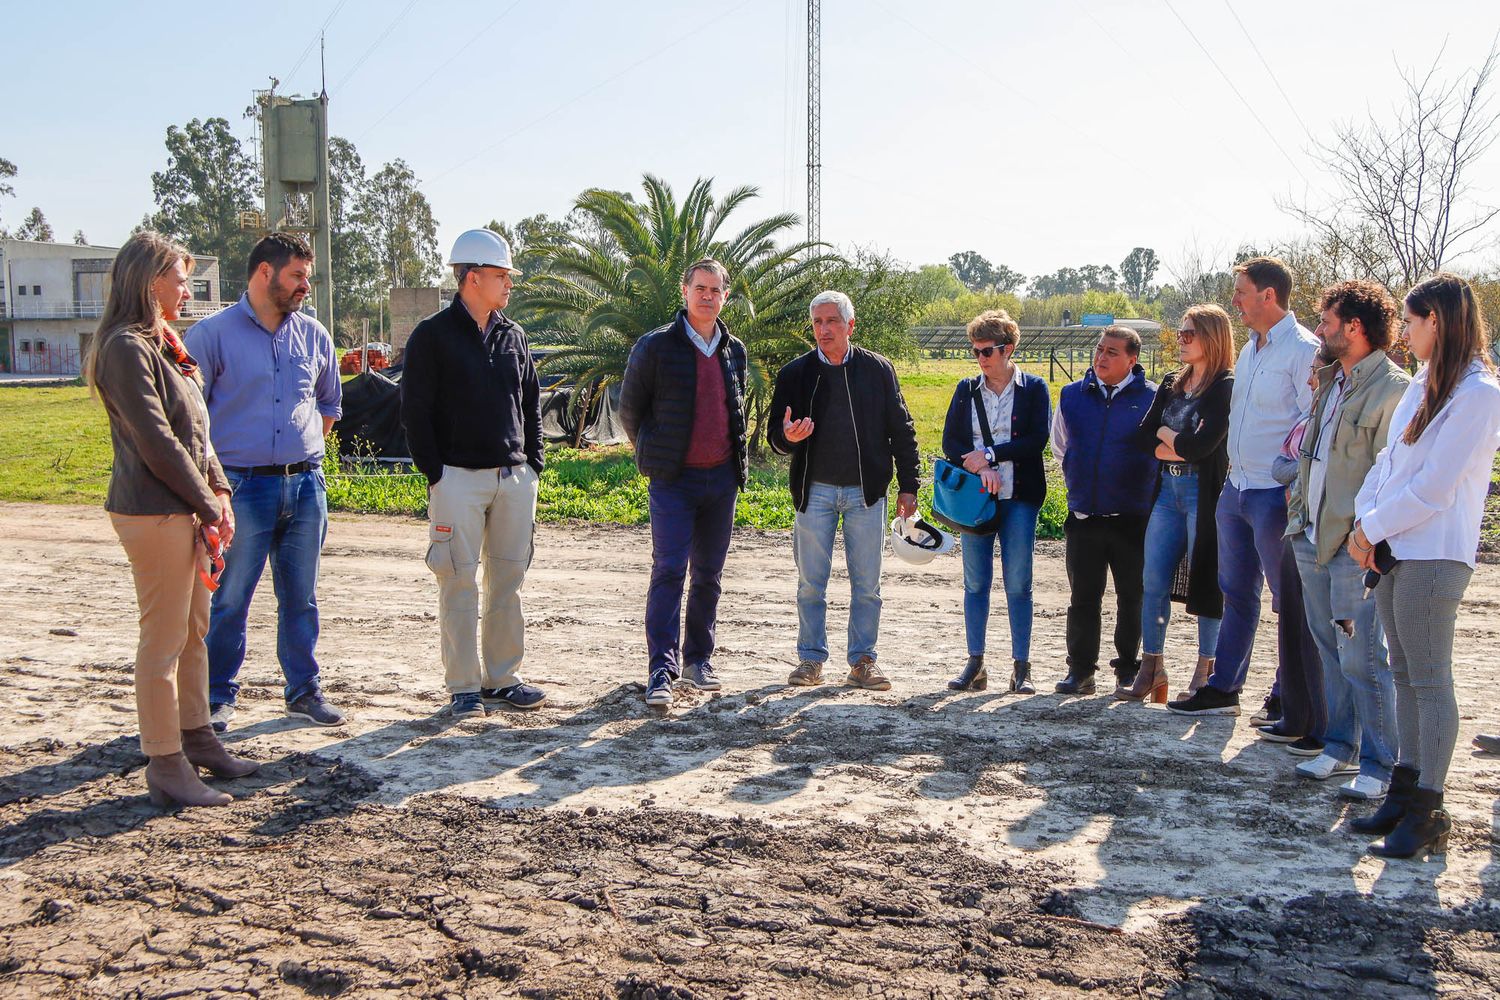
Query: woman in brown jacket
168, 499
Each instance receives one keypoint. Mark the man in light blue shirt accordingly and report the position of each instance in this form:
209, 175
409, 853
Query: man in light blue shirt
1271, 395
272, 386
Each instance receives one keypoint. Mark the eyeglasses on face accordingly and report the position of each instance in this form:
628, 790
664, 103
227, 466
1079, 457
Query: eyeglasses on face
1186, 336
984, 352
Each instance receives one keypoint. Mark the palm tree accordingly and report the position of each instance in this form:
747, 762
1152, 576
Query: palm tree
622, 277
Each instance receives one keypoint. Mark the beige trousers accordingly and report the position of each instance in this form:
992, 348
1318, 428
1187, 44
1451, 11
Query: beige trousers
171, 662
488, 515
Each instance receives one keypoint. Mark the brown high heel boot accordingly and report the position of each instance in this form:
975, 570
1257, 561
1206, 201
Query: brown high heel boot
202, 748
1201, 674
172, 780
1150, 681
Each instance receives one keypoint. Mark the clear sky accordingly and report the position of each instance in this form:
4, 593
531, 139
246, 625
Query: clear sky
1042, 135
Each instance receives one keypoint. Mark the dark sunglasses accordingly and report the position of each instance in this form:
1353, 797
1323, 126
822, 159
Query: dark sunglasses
1186, 336
984, 352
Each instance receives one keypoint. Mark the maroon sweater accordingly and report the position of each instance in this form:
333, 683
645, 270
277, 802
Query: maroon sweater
709, 446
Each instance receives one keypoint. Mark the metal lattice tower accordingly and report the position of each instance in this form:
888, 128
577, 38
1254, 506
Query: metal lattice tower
814, 120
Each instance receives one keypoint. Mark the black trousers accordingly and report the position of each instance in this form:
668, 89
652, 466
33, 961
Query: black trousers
1299, 668
1097, 546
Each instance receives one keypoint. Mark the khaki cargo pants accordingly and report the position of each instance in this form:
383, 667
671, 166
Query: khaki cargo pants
479, 515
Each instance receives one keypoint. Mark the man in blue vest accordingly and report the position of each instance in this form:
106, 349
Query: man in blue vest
1110, 483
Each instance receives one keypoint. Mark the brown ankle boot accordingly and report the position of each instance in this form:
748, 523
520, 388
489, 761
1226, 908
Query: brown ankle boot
172, 780
202, 748
1201, 674
1150, 680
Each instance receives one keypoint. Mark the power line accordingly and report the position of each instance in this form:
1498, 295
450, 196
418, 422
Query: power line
440, 67
376, 44
598, 86
316, 35
1248, 106
1269, 72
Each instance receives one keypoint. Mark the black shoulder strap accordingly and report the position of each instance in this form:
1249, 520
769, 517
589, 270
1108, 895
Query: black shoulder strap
984, 420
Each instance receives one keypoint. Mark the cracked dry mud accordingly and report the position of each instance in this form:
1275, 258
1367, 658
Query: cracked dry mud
761, 843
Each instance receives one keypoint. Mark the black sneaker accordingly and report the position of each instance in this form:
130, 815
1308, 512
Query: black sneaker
1275, 734
1270, 712
315, 709
700, 676
1307, 746
466, 704
1207, 700
1076, 685
516, 696
220, 716
659, 689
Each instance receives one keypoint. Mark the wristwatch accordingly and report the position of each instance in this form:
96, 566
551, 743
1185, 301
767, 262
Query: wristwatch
989, 455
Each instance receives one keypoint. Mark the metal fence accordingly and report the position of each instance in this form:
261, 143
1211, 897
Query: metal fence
1065, 349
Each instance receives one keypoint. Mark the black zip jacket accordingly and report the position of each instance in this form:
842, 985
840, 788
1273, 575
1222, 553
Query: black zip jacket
467, 407
660, 393
883, 431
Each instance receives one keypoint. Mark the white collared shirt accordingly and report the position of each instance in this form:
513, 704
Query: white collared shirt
999, 408
824, 358
1270, 395
1427, 499
706, 346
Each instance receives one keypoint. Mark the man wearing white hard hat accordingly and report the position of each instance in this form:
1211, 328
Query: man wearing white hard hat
838, 411
470, 403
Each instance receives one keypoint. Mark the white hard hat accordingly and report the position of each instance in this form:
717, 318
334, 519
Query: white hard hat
484, 247
917, 542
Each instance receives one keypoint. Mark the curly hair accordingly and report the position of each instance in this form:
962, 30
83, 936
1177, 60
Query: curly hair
1366, 301
994, 326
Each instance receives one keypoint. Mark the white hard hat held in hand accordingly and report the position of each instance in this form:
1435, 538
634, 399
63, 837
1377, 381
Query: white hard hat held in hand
915, 541
483, 247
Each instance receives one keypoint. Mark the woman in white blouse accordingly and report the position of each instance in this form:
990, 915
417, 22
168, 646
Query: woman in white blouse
1424, 498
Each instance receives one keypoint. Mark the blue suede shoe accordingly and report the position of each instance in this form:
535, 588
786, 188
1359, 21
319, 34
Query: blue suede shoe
466, 704
516, 696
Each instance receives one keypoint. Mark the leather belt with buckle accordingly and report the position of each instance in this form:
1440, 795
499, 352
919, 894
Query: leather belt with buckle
294, 469
1176, 469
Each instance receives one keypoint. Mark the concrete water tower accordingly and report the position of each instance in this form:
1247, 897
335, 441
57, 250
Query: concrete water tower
294, 149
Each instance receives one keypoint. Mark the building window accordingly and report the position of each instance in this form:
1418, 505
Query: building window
200, 290
36, 289
25, 347
41, 347
20, 289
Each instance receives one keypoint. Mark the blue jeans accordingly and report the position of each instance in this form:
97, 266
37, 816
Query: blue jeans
1250, 525
1017, 536
285, 519
1170, 534
691, 520
1358, 687
812, 548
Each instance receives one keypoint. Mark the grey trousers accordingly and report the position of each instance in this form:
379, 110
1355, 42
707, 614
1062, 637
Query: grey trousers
1418, 607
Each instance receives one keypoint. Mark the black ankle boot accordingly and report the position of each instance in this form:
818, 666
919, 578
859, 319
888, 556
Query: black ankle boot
1020, 678
1383, 820
973, 677
1423, 830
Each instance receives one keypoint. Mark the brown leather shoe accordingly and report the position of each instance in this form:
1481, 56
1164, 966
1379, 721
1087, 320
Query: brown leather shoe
864, 674
202, 748
1201, 674
171, 780
1150, 681
809, 673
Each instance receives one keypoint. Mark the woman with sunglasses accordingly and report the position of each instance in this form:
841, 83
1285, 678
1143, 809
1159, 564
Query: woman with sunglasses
1187, 429
997, 428
1424, 499
168, 500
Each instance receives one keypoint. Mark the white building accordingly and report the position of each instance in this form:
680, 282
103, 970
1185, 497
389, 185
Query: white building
51, 298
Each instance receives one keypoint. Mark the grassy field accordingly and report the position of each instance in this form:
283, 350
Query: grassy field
54, 448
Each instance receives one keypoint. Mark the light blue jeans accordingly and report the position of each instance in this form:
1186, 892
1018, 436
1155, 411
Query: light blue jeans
1017, 536
1357, 682
812, 548
1171, 532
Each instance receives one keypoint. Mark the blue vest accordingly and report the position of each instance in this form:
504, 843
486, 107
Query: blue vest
1105, 470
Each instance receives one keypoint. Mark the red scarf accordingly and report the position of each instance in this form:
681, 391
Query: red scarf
173, 349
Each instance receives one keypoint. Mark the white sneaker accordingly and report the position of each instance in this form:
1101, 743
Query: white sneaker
1364, 788
1324, 766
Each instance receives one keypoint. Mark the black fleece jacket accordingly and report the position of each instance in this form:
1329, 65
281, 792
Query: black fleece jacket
467, 407
883, 431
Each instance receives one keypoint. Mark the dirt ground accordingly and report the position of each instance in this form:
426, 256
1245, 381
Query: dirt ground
765, 842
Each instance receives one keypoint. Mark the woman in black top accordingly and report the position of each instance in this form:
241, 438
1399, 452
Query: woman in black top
1187, 428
